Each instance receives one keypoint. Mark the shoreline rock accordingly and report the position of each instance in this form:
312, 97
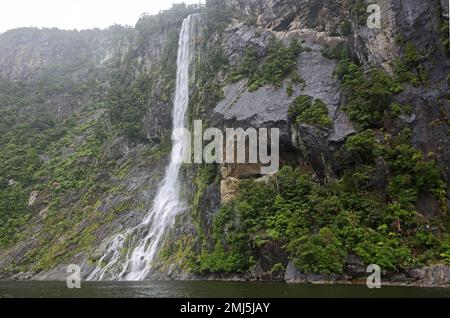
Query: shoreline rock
435, 276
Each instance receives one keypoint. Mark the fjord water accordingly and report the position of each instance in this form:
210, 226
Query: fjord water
208, 289
145, 240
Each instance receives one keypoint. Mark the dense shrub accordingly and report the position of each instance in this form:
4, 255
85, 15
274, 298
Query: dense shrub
412, 174
368, 97
318, 225
306, 110
318, 253
364, 147
273, 68
128, 104
404, 74
409, 69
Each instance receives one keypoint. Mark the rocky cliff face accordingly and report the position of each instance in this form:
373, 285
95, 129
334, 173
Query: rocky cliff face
319, 26
27, 53
74, 225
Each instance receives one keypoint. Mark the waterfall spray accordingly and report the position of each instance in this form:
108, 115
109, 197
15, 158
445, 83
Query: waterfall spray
147, 237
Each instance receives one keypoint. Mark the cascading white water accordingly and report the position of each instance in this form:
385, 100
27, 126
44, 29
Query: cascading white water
147, 237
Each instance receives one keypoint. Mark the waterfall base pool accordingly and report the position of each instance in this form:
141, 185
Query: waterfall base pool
208, 289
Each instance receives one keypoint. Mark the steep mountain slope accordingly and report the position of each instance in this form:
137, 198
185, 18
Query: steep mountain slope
92, 168
363, 115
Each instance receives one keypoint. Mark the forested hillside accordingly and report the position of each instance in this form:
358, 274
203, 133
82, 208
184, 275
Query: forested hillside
364, 118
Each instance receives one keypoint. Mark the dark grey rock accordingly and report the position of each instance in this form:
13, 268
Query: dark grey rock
354, 266
293, 275
434, 276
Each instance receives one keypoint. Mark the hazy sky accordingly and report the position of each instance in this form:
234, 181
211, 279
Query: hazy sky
77, 14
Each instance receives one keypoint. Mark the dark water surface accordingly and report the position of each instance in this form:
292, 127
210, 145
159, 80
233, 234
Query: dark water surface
208, 289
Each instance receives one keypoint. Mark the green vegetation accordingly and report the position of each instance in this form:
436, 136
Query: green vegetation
318, 253
205, 175
290, 90
273, 68
306, 110
358, 10
318, 225
397, 109
28, 134
364, 147
339, 52
248, 66
346, 28
368, 96
129, 104
279, 62
412, 175
217, 15
369, 209
208, 89
128, 97
65, 156
408, 69
24, 170
150, 26
404, 74
412, 56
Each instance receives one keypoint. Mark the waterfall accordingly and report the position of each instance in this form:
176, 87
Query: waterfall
145, 240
